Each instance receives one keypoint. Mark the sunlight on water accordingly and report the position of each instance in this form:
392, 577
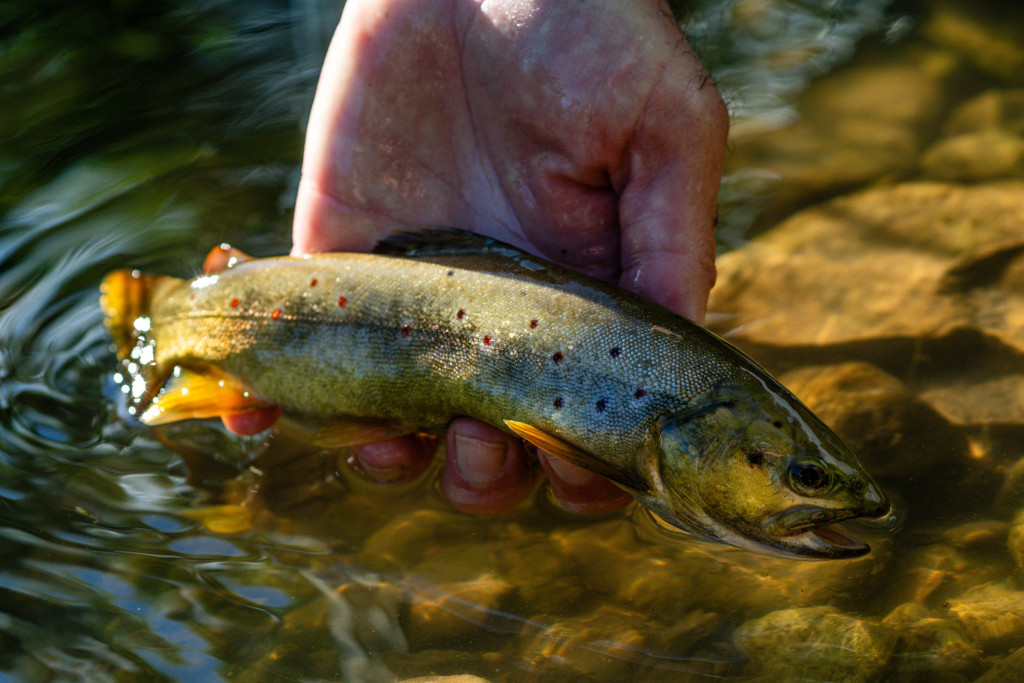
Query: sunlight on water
883, 278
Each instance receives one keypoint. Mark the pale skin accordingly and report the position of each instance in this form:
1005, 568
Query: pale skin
586, 133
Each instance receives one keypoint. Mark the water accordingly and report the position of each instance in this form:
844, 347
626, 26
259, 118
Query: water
141, 134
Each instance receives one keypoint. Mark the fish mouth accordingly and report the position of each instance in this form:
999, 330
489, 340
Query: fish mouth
815, 533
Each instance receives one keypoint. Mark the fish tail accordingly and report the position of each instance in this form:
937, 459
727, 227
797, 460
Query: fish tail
125, 298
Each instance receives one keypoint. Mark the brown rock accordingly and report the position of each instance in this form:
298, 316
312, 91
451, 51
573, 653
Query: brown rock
815, 643
973, 157
991, 36
992, 616
1001, 110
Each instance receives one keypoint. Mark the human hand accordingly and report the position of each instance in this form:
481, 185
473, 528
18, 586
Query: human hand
588, 134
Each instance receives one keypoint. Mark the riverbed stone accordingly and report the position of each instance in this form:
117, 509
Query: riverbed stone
992, 615
997, 109
815, 643
860, 124
443, 615
989, 35
973, 157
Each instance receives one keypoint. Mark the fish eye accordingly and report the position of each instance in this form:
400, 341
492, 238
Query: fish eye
808, 478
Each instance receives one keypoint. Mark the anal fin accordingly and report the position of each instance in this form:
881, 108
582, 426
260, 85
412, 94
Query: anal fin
189, 395
577, 456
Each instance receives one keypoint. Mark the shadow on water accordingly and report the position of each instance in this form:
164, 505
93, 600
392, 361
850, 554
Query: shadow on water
139, 134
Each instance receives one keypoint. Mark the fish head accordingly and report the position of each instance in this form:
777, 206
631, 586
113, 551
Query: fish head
763, 474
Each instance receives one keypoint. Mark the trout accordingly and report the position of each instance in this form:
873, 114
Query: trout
440, 324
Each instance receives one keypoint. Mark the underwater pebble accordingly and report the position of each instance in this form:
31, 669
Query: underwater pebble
1015, 539
445, 615
815, 643
928, 643
972, 157
992, 616
608, 643
1006, 670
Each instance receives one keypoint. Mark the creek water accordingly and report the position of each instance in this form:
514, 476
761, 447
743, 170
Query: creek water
141, 134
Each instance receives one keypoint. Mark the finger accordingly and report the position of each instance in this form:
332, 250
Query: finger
393, 461
252, 421
486, 470
581, 490
669, 180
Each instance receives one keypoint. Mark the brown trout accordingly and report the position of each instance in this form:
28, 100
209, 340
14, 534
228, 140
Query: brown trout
440, 324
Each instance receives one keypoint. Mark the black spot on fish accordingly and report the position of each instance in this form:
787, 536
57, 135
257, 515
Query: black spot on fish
461, 314
777, 424
559, 403
451, 272
640, 393
601, 405
614, 353
558, 357
406, 329
533, 323
313, 282
755, 458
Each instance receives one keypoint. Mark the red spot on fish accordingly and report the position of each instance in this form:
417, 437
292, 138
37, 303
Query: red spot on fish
615, 352
276, 314
601, 405
559, 403
406, 329
192, 296
487, 340
342, 301
640, 393
558, 357
533, 323
313, 282
461, 314
234, 302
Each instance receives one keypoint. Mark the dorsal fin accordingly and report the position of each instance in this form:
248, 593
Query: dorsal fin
442, 242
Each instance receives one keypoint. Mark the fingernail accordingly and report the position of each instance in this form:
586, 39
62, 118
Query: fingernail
569, 473
479, 462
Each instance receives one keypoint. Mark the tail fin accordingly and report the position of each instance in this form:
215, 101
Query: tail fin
124, 299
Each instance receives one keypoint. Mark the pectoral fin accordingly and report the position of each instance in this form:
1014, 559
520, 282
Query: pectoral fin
566, 451
188, 395
353, 431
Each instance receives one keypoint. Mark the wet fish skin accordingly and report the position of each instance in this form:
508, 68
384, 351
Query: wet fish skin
697, 431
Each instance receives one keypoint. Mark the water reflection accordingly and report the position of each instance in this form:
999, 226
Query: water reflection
140, 134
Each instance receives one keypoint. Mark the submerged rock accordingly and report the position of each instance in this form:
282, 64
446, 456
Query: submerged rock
924, 279
973, 157
815, 643
928, 643
992, 616
990, 35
